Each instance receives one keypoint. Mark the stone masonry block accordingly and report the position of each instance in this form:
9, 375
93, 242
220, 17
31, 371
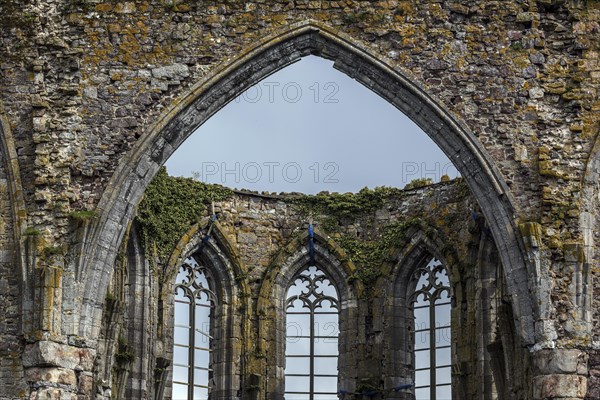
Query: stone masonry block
46, 353
561, 361
86, 383
559, 386
52, 394
60, 376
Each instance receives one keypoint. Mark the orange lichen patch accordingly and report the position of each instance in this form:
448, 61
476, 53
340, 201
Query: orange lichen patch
104, 7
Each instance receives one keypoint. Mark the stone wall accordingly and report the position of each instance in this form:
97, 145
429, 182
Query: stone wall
96, 96
261, 233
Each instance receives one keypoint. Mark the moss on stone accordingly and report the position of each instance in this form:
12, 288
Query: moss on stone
347, 205
369, 251
171, 205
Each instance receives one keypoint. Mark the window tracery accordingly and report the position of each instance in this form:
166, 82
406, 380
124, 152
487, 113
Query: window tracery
194, 303
312, 330
430, 305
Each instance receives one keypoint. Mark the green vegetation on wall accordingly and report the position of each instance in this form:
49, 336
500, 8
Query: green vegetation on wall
346, 205
334, 213
171, 205
369, 254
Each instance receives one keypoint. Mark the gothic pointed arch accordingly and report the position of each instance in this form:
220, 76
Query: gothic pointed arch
219, 245
205, 270
15, 188
228, 80
421, 280
326, 262
17, 290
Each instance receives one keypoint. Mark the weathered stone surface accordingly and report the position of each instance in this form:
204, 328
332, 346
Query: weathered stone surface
176, 71
83, 83
561, 361
559, 386
52, 394
51, 375
58, 355
85, 383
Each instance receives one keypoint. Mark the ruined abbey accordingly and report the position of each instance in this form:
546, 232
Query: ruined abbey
100, 250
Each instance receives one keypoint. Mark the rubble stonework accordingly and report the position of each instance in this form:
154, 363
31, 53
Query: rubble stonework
255, 236
95, 96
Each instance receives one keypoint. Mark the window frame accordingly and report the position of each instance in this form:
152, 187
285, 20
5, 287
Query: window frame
192, 347
271, 307
432, 329
216, 254
414, 254
312, 306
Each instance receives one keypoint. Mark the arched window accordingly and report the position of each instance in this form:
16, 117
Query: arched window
192, 360
312, 330
430, 304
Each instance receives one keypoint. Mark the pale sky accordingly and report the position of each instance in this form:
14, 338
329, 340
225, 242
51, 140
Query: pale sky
309, 128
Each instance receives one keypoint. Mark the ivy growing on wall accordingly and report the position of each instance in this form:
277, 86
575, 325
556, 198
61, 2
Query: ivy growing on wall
171, 205
369, 253
334, 212
346, 205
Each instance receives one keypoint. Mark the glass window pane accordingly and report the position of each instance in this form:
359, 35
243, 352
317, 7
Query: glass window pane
421, 318
422, 378
297, 396
297, 325
297, 384
326, 366
422, 359
443, 356
324, 397
326, 348
201, 358
433, 283
182, 313
326, 384
200, 393
422, 394
444, 392
202, 334
421, 340
442, 337
200, 377
202, 314
297, 346
181, 355
181, 336
326, 325
297, 365
180, 392
193, 280
442, 315
443, 375
180, 374
312, 292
